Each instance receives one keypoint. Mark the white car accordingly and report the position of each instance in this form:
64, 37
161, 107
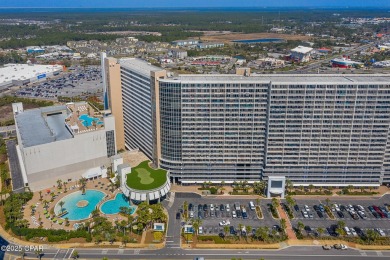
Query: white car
234, 214
191, 214
211, 207
381, 232
200, 230
353, 232
224, 223
227, 207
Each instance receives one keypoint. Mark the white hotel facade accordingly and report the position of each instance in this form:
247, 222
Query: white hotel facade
326, 130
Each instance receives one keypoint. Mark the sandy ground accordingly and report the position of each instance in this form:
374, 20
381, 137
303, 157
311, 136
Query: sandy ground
227, 38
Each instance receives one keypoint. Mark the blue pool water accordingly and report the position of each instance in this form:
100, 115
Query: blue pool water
113, 206
86, 120
263, 40
76, 213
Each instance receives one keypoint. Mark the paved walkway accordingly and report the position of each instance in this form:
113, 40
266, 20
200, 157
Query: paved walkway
289, 230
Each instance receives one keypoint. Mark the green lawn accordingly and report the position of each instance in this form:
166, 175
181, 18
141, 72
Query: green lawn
143, 177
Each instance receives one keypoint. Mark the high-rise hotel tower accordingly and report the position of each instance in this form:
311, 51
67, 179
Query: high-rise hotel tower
328, 130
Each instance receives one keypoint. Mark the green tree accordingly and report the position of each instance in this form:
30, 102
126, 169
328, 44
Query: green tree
283, 224
61, 203
75, 254
300, 226
311, 186
341, 224
327, 200
372, 235
320, 231
289, 185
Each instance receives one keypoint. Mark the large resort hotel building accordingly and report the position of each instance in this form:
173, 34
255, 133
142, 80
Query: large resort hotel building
62, 142
326, 130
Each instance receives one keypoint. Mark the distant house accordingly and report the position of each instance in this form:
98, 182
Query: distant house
301, 54
177, 53
208, 45
185, 42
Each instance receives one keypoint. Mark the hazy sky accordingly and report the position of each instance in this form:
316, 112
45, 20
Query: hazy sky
191, 3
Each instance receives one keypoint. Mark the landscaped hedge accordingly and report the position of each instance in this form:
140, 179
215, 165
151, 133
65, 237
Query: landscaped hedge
51, 234
216, 239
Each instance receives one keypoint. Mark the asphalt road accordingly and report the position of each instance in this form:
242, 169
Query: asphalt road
16, 173
296, 252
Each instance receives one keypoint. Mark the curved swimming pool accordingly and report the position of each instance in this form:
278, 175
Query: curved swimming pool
113, 206
79, 206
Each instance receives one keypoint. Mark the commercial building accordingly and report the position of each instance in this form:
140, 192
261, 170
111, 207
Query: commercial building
20, 74
62, 142
301, 54
326, 130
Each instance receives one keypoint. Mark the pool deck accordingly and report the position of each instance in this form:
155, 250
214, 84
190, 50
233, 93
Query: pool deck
79, 109
47, 223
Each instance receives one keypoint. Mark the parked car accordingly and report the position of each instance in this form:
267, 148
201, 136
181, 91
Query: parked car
326, 247
232, 230
319, 213
340, 246
224, 223
200, 230
222, 207
234, 215
380, 231
205, 207
227, 207
211, 207
296, 207
341, 215
200, 207
178, 215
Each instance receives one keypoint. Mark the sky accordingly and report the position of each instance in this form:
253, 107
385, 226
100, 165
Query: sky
191, 3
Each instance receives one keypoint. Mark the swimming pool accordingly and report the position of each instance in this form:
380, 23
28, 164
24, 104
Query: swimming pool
86, 120
113, 206
77, 210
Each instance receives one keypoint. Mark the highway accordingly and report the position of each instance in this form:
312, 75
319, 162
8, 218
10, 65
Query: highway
295, 252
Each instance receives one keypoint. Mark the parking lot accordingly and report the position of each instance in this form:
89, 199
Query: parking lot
370, 222
78, 81
212, 216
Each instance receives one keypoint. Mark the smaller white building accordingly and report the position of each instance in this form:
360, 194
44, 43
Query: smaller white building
276, 186
301, 54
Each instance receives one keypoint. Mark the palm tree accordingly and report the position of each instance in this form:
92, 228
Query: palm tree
40, 195
283, 224
327, 200
83, 183
61, 203
290, 201
196, 224
248, 229
300, 226
341, 224
39, 253
75, 254
240, 227
59, 184
45, 204
289, 185
372, 235
274, 203
226, 230
320, 230
311, 186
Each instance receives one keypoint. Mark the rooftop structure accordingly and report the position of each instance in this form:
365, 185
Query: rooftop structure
25, 72
49, 124
143, 183
301, 54
63, 142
